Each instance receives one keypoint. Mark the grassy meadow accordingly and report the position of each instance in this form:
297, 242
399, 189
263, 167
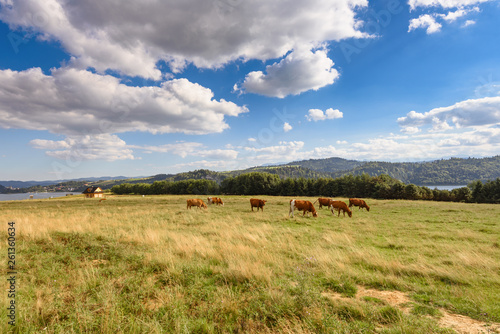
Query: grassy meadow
133, 264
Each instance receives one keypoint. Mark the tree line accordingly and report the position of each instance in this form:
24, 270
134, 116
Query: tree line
259, 183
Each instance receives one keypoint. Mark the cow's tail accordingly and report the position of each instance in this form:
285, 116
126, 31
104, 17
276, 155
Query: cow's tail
292, 204
315, 201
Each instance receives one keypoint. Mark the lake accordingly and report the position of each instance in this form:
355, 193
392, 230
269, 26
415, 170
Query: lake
444, 187
23, 196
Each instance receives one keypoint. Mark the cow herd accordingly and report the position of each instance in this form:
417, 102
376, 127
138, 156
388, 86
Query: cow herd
295, 204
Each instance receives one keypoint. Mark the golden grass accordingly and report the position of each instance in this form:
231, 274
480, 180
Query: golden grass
446, 250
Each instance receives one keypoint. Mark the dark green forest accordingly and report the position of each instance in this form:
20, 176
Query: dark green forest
258, 183
454, 171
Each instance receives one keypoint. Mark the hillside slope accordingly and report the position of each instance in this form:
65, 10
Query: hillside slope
454, 171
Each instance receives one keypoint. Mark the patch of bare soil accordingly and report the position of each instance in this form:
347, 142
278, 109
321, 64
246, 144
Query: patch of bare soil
394, 298
463, 324
460, 323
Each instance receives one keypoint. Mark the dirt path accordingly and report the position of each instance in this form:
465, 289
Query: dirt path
461, 324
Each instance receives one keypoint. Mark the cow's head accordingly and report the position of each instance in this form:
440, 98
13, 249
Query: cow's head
367, 208
315, 214
204, 205
349, 213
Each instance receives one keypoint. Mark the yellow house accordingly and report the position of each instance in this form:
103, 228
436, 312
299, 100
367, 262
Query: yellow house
93, 192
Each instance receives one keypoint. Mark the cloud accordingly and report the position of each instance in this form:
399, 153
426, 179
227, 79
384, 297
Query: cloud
318, 115
132, 37
76, 102
111, 147
429, 21
283, 147
443, 3
453, 16
298, 72
89, 108
287, 127
468, 113
185, 149
468, 23
212, 165
182, 149
476, 142
410, 129
88, 147
425, 21
218, 154
417, 146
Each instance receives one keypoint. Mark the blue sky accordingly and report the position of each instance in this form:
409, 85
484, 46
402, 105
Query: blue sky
94, 88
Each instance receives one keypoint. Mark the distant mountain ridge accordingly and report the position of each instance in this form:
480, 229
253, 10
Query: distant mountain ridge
26, 184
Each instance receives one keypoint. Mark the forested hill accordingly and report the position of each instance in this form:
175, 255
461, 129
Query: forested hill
454, 171
446, 171
328, 165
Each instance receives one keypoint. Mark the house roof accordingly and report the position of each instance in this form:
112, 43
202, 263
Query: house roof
92, 190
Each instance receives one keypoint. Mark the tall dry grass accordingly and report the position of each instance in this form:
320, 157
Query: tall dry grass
135, 264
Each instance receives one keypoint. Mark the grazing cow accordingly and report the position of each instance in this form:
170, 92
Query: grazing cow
323, 202
305, 206
258, 203
218, 201
359, 203
196, 202
215, 200
339, 205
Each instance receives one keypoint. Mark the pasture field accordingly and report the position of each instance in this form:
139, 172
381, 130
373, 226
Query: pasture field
133, 264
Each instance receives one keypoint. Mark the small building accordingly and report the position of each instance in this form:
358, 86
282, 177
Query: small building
93, 192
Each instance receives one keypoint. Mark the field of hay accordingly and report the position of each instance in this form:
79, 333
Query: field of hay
133, 264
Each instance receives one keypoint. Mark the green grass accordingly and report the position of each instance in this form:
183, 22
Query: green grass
134, 264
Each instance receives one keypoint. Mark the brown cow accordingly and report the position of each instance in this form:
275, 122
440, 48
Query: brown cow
339, 205
323, 202
196, 202
215, 200
305, 206
359, 203
258, 203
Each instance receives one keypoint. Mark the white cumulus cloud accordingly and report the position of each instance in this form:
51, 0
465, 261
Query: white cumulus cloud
468, 23
89, 109
425, 21
443, 3
87, 147
319, 115
132, 37
468, 113
76, 102
433, 21
299, 71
